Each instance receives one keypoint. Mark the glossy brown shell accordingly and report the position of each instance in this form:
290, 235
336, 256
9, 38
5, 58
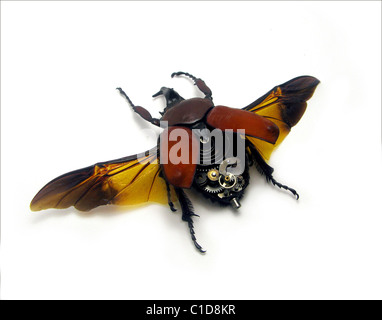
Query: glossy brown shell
187, 112
181, 174
225, 118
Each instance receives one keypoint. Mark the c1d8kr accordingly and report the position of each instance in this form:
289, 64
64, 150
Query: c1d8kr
212, 309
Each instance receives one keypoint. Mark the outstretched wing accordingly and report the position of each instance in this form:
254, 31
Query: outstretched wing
126, 181
284, 105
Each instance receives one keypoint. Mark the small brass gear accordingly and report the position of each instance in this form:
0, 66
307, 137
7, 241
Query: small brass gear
213, 174
228, 181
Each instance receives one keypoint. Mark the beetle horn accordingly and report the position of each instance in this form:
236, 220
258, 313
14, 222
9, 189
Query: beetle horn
160, 92
172, 97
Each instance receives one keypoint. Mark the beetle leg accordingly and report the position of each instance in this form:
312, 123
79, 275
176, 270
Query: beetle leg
170, 203
275, 183
198, 82
140, 110
187, 213
267, 170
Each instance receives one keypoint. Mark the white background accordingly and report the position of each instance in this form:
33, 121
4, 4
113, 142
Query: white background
60, 65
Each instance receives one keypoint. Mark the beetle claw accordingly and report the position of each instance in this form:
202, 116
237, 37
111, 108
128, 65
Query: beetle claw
199, 247
172, 207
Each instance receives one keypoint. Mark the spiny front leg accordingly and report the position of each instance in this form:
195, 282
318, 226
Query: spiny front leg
187, 213
198, 82
140, 110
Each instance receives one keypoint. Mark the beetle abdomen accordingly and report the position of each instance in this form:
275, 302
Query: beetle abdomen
187, 111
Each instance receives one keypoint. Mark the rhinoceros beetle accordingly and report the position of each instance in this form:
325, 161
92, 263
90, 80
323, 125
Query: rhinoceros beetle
188, 155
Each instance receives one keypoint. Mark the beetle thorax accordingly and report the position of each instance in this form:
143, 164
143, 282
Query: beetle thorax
187, 112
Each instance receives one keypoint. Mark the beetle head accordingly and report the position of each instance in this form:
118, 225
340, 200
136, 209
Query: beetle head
172, 97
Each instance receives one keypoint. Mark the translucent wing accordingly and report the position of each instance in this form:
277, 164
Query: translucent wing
284, 105
127, 181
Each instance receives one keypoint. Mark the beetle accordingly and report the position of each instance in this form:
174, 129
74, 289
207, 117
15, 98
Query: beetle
206, 165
